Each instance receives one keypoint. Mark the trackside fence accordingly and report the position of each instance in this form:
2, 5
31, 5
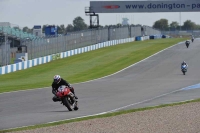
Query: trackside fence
43, 46
41, 60
50, 45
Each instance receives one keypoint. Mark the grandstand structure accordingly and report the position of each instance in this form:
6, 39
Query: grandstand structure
11, 36
14, 31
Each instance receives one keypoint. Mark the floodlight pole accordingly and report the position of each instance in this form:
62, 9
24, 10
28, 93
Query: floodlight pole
180, 20
5, 50
5, 54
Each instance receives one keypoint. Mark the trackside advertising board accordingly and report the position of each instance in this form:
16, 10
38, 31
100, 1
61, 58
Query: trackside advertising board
145, 6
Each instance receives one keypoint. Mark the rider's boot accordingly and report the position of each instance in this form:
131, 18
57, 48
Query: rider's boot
75, 96
56, 99
72, 90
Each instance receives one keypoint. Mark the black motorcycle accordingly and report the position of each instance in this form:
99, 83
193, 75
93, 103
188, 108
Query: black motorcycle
187, 43
192, 39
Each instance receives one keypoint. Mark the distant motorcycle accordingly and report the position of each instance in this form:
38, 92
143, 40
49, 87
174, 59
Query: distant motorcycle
184, 69
192, 39
187, 43
67, 98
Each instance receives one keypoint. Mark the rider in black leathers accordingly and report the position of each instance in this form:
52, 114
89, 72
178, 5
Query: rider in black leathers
187, 43
58, 81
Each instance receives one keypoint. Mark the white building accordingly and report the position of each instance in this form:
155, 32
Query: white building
37, 30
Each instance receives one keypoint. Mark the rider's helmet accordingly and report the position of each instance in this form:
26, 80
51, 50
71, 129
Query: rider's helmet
56, 78
184, 62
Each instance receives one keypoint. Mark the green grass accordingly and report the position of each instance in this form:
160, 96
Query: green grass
84, 67
97, 116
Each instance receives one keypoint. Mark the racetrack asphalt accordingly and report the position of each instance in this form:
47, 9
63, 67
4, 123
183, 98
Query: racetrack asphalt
156, 80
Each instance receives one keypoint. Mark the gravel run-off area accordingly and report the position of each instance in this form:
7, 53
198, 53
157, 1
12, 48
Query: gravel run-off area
183, 118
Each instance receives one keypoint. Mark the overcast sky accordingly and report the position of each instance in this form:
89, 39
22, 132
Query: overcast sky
40, 12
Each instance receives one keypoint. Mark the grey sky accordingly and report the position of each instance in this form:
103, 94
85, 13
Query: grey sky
40, 12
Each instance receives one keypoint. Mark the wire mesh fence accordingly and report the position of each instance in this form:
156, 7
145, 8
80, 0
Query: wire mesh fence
43, 46
5, 54
135, 31
195, 33
1, 55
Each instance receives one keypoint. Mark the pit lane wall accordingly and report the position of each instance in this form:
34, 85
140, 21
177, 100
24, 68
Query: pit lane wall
34, 62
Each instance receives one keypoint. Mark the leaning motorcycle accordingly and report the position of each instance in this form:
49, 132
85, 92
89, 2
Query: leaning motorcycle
184, 69
67, 98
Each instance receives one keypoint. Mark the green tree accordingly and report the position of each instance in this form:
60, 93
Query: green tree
43, 28
62, 27
132, 25
189, 25
28, 30
69, 28
161, 24
100, 26
174, 25
119, 25
25, 29
79, 24
59, 29
197, 27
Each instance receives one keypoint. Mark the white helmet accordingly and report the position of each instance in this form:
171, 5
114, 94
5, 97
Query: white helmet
56, 78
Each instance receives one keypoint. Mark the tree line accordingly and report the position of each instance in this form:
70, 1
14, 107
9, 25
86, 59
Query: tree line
78, 24
163, 25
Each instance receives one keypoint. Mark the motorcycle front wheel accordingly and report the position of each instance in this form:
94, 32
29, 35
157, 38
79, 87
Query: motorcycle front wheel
67, 104
183, 72
76, 106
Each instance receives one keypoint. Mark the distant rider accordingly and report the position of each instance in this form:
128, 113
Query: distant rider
184, 63
187, 43
57, 82
192, 38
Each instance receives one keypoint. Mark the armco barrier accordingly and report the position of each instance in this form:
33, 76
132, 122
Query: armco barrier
141, 38
138, 38
155, 36
45, 59
145, 38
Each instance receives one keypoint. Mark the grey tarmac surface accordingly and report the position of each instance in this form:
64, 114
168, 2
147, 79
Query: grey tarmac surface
151, 82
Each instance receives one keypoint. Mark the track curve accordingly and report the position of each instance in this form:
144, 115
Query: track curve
156, 80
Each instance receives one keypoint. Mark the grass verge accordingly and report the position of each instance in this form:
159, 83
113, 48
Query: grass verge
97, 116
86, 66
